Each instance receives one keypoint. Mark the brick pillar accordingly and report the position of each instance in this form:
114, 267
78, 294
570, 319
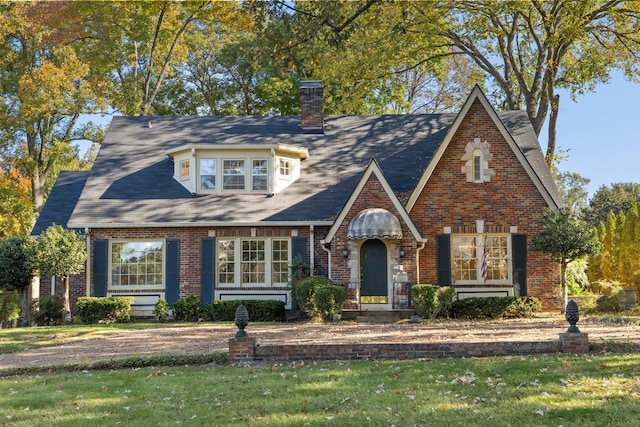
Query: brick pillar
242, 349
574, 342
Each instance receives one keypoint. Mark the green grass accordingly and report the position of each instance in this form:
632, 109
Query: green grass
524, 391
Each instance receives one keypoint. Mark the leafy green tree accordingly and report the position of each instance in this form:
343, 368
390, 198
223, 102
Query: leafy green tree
16, 270
531, 49
60, 252
566, 238
613, 198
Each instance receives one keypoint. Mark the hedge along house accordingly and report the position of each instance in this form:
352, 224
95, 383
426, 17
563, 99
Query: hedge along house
221, 206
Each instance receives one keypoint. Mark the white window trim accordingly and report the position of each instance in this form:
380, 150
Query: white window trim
285, 176
248, 175
266, 174
479, 249
237, 268
111, 287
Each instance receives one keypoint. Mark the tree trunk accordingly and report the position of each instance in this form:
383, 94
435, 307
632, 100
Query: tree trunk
553, 120
563, 280
67, 306
25, 312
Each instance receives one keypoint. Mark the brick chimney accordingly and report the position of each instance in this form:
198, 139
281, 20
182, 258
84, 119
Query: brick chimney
311, 106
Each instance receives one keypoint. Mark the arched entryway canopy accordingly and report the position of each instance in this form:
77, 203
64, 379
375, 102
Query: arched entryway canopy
374, 223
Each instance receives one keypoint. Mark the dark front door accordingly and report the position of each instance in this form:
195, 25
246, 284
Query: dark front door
373, 264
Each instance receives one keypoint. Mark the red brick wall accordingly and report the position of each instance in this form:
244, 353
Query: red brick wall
190, 238
509, 199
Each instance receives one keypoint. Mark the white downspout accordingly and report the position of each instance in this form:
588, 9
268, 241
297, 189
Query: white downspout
312, 251
324, 248
87, 275
419, 248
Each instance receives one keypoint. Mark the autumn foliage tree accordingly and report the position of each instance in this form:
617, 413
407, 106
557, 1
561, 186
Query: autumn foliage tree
46, 85
16, 209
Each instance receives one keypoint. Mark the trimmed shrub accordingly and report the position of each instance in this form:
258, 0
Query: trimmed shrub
188, 309
304, 290
161, 310
259, 310
432, 301
495, 307
48, 311
104, 309
328, 301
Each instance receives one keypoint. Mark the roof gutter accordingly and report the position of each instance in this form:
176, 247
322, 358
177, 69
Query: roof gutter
200, 224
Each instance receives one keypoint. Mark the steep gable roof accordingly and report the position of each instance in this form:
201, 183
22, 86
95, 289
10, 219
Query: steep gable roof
520, 139
373, 169
132, 184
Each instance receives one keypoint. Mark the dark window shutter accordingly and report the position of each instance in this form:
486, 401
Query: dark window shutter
207, 269
519, 250
299, 248
172, 271
100, 260
443, 248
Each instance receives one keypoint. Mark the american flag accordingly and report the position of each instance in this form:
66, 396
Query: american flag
483, 263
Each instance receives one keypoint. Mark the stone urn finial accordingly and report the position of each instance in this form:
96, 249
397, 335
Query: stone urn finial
242, 320
572, 314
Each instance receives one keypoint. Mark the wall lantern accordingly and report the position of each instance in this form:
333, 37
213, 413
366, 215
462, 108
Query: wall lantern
401, 252
345, 253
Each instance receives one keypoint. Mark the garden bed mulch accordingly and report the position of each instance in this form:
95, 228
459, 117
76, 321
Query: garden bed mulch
206, 338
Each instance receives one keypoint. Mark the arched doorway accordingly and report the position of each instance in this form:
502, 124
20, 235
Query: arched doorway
373, 272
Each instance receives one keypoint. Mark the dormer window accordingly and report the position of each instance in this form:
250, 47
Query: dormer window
259, 175
207, 174
285, 168
237, 169
233, 175
185, 170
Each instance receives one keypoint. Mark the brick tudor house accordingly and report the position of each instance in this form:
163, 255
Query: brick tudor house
220, 206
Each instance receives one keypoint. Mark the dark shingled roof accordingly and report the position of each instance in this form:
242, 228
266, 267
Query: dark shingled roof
132, 179
61, 200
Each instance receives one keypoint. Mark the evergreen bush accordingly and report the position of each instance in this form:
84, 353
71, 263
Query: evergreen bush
495, 307
104, 309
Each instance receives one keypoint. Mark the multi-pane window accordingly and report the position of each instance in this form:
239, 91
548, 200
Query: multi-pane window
233, 173
259, 173
497, 258
263, 262
480, 258
136, 263
464, 259
208, 174
285, 168
226, 261
185, 169
253, 262
280, 261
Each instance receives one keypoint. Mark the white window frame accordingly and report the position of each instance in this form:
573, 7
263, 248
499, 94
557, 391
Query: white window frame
243, 174
265, 175
476, 165
215, 175
238, 262
112, 287
285, 168
476, 260
185, 166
